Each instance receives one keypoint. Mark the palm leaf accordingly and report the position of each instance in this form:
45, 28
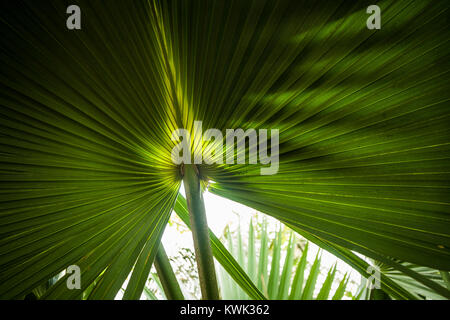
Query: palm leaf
341, 289
310, 284
291, 280
326, 287
86, 119
299, 277
222, 255
166, 276
286, 275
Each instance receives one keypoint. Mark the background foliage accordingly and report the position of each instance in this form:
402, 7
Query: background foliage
86, 118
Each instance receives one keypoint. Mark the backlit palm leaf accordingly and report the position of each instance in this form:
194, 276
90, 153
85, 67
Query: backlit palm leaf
86, 119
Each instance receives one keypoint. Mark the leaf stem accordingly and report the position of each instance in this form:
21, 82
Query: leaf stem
200, 233
167, 276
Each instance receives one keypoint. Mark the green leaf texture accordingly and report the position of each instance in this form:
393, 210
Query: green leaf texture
86, 118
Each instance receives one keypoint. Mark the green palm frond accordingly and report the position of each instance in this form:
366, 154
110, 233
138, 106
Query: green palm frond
412, 284
286, 278
222, 255
86, 118
166, 275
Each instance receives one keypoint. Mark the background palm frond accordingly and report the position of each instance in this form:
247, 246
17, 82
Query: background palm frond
293, 278
86, 118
